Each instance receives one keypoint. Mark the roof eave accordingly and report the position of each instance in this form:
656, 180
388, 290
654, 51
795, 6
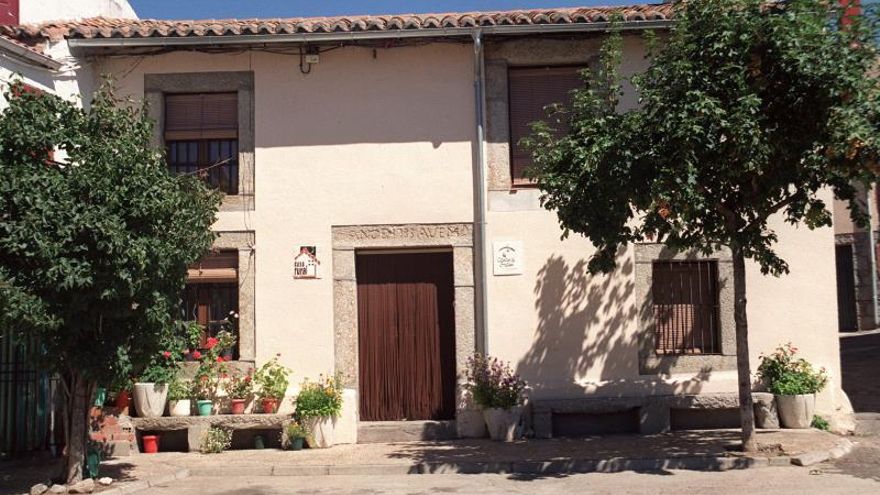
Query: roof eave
28, 56
85, 44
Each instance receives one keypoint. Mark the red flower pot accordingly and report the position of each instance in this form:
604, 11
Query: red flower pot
122, 399
237, 406
151, 444
270, 405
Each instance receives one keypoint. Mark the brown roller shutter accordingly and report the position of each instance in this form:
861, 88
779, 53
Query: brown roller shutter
214, 268
201, 116
530, 91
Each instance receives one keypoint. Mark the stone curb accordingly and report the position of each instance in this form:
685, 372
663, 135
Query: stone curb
143, 484
842, 448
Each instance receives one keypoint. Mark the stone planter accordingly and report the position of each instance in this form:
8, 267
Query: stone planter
502, 423
320, 431
179, 408
796, 411
150, 399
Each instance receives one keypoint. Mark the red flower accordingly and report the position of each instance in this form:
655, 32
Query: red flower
196, 354
219, 359
166, 354
227, 358
247, 378
212, 341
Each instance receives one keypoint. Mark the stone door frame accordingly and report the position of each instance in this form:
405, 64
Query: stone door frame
348, 239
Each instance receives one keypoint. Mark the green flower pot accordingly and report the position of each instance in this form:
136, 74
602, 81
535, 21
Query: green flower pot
206, 407
296, 443
259, 442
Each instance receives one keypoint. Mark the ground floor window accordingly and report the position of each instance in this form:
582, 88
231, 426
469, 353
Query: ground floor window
212, 292
685, 304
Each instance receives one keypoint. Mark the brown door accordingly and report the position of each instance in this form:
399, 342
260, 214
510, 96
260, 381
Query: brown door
406, 339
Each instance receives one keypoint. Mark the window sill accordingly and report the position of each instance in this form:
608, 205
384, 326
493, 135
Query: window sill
516, 199
668, 364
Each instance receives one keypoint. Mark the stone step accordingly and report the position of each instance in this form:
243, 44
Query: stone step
867, 424
405, 431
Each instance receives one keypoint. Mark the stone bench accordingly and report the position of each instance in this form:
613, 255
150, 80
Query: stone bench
654, 411
196, 425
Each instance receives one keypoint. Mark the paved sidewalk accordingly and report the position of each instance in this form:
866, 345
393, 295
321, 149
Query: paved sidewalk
703, 450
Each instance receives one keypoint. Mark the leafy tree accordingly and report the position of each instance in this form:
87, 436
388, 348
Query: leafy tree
93, 247
748, 109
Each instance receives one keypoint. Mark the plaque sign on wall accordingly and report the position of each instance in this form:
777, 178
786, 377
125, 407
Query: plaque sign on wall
507, 258
306, 264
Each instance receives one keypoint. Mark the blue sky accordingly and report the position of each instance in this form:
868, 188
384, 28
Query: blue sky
216, 9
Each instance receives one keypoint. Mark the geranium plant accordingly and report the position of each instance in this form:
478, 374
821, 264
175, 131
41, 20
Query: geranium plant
785, 374
271, 379
322, 398
239, 385
162, 369
493, 384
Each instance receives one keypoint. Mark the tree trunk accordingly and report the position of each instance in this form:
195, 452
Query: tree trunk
79, 394
746, 410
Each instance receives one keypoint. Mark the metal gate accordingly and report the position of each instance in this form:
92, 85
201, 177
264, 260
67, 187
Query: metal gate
26, 396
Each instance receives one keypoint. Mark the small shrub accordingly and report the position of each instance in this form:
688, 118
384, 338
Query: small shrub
215, 440
820, 423
786, 375
271, 379
493, 383
180, 389
320, 399
294, 430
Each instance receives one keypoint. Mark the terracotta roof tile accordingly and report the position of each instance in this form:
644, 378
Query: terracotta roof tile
102, 27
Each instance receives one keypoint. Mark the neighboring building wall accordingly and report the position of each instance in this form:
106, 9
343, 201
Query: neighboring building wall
36, 11
847, 233
387, 139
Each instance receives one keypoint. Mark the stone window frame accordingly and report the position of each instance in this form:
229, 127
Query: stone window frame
347, 240
528, 52
244, 242
240, 82
651, 363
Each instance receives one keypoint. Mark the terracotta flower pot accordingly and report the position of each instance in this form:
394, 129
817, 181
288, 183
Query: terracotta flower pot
270, 405
151, 444
150, 399
237, 406
206, 407
502, 423
796, 411
321, 429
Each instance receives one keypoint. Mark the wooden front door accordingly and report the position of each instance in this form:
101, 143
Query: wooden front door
406, 330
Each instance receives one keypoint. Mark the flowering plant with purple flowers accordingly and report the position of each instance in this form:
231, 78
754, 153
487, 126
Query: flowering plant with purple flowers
493, 383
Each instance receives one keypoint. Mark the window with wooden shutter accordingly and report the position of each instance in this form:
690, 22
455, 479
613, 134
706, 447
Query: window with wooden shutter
685, 297
531, 90
211, 293
201, 136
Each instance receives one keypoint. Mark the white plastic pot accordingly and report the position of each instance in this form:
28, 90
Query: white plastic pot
150, 399
502, 423
796, 411
320, 431
179, 408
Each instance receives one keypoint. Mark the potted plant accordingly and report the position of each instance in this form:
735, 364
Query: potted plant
191, 334
272, 381
294, 435
498, 391
318, 404
794, 383
215, 440
179, 397
151, 389
212, 367
239, 387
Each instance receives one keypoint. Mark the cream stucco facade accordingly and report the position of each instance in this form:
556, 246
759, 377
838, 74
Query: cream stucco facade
386, 137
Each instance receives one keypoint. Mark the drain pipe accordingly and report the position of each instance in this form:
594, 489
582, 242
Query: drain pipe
480, 195
873, 242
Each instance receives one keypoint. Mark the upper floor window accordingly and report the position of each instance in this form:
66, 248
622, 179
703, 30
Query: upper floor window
531, 90
201, 137
686, 299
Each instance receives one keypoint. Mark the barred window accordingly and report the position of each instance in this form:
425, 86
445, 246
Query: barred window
685, 295
212, 293
201, 137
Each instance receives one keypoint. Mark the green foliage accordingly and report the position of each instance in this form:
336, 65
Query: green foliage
493, 384
215, 440
180, 389
747, 109
94, 247
295, 429
820, 423
271, 380
784, 374
320, 399
239, 385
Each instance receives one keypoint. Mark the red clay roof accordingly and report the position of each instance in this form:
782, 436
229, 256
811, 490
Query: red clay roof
101, 27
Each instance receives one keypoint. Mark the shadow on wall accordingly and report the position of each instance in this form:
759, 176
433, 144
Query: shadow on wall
583, 323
